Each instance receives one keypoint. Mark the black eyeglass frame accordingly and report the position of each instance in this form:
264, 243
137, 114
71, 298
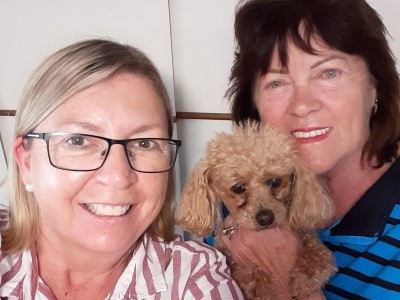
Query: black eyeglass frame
47, 135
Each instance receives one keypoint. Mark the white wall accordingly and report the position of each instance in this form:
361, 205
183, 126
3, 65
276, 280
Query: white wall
202, 47
389, 11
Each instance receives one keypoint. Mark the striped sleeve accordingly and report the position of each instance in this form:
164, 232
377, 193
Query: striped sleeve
203, 273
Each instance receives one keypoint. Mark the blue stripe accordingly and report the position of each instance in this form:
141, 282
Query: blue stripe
384, 250
393, 232
396, 212
348, 287
371, 269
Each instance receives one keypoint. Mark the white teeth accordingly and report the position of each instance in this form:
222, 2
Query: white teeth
107, 210
309, 134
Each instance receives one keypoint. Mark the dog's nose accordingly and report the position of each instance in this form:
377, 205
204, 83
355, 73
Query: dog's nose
265, 217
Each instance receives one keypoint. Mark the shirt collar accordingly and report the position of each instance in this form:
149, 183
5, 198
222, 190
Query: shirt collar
144, 275
368, 216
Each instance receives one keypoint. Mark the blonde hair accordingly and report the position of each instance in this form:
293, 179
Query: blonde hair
58, 78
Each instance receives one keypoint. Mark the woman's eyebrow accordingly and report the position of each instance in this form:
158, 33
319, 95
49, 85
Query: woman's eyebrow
94, 128
80, 125
326, 59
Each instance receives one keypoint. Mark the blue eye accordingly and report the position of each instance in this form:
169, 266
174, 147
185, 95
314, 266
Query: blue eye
275, 84
331, 73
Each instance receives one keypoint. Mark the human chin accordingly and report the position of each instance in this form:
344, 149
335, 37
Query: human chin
108, 239
105, 242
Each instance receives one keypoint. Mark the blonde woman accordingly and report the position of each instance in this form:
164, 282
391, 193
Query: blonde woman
91, 213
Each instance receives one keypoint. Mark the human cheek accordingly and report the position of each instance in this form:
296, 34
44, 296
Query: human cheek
273, 111
156, 189
272, 103
54, 185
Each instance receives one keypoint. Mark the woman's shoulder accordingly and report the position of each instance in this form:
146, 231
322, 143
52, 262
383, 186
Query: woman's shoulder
12, 267
17, 271
195, 248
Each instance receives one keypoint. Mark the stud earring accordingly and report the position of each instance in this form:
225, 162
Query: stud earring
375, 107
29, 187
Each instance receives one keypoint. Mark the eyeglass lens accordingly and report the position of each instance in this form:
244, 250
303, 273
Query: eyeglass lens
83, 152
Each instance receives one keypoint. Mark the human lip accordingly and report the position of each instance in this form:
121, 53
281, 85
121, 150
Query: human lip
105, 210
307, 134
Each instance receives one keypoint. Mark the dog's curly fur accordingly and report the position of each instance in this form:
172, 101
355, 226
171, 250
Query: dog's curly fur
257, 174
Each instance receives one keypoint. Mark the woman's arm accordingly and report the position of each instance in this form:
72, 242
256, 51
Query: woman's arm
273, 250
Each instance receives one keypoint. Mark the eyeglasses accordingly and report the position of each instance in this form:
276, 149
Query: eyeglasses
85, 152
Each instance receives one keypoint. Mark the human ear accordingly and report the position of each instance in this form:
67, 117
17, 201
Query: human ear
22, 156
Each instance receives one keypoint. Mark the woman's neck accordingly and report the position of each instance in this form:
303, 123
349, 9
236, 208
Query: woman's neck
79, 275
347, 186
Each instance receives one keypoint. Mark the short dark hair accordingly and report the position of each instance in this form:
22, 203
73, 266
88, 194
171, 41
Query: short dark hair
350, 26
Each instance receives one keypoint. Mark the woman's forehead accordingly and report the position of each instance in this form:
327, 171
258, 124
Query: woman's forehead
126, 99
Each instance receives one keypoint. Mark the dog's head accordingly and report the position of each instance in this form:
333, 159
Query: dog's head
257, 174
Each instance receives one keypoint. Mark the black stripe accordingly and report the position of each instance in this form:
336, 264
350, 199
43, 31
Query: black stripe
393, 221
343, 249
345, 294
382, 261
372, 280
367, 255
354, 253
391, 241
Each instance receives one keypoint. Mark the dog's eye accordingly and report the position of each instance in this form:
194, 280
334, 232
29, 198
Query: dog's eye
238, 188
274, 182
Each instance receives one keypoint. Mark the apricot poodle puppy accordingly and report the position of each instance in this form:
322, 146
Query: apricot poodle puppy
256, 173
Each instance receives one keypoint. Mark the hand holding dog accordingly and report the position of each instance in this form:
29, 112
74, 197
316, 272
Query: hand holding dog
278, 256
273, 250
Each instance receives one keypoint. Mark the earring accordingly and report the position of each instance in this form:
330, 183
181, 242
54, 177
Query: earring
375, 107
29, 187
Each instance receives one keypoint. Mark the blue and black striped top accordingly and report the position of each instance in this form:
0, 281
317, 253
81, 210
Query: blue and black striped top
366, 244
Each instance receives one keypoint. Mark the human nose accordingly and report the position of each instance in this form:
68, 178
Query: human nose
116, 170
303, 101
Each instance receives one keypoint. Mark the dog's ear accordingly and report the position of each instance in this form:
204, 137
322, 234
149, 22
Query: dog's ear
198, 207
310, 207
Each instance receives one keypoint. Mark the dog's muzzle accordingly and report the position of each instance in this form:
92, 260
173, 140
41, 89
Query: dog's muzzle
229, 230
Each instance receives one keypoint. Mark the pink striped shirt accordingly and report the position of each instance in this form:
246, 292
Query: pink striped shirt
177, 270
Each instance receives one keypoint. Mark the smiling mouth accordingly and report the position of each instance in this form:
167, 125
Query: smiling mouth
107, 210
310, 134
